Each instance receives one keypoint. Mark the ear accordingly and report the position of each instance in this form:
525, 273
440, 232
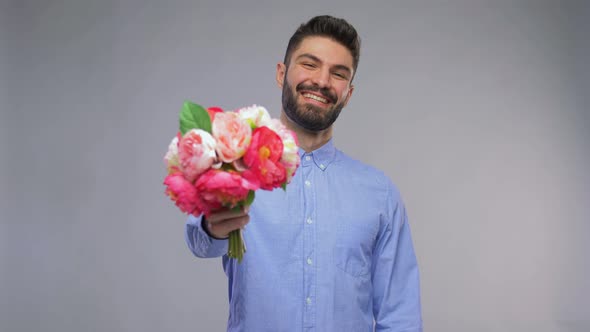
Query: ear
281, 68
350, 90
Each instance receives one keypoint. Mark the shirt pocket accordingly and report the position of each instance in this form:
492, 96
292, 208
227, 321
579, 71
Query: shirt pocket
353, 250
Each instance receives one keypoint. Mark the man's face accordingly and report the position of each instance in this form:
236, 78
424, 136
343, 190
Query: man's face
317, 83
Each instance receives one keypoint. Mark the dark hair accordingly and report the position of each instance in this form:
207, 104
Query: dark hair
327, 26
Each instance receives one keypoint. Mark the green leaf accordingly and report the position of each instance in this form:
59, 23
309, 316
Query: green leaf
194, 116
250, 198
284, 186
227, 167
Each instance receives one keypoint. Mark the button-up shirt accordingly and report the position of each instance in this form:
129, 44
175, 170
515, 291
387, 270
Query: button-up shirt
331, 253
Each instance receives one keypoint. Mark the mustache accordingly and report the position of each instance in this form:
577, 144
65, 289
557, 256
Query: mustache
325, 92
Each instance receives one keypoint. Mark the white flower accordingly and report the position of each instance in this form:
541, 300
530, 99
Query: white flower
290, 157
171, 157
256, 116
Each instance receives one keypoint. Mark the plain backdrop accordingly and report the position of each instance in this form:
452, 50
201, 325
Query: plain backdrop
478, 111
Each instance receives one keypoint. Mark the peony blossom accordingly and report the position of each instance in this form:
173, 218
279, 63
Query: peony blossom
224, 157
255, 116
171, 157
183, 193
262, 159
290, 157
219, 189
196, 153
232, 134
212, 111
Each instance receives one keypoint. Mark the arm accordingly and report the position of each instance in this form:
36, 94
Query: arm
396, 283
200, 243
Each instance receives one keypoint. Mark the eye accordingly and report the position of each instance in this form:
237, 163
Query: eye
308, 65
341, 76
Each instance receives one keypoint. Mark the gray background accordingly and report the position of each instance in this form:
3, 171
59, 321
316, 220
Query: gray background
478, 110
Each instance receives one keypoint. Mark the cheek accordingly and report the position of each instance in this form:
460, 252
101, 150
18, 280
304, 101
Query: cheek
294, 81
344, 93
296, 76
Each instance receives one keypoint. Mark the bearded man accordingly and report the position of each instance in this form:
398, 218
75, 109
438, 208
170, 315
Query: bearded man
333, 252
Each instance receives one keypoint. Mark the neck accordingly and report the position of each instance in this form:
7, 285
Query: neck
308, 140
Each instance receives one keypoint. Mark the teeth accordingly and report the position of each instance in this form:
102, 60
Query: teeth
309, 95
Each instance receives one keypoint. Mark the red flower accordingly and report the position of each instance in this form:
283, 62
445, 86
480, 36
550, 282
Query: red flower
184, 194
218, 189
262, 159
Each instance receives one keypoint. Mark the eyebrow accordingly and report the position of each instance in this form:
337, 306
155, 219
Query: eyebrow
316, 59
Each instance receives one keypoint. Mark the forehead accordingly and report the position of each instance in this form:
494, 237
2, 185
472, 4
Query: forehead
326, 49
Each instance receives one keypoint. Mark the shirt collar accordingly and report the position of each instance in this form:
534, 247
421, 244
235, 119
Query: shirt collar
321, 157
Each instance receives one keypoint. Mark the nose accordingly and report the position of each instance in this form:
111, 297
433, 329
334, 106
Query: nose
322, 78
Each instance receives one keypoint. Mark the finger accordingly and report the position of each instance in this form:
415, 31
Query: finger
226, 214
222, 229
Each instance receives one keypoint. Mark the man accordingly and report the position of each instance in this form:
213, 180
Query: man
333, 252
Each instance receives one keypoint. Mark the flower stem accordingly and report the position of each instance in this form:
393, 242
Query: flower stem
236, 246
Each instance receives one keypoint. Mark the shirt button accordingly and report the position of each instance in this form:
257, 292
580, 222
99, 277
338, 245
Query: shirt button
309, 221
308, 158
309, 261
308, 183
322, 166
308, 300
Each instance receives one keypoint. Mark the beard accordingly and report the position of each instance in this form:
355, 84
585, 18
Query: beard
310, 117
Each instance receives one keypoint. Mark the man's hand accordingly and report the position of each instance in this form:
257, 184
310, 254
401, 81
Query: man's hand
220, 224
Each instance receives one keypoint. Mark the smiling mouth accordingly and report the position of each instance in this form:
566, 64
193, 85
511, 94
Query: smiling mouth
315, 97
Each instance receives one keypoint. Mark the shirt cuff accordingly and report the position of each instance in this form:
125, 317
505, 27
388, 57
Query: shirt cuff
205, 245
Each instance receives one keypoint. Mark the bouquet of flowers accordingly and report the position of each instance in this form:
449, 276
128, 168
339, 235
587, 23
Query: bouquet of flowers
218, 159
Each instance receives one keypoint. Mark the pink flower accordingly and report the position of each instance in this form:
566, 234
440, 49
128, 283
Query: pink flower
232, 134
262, 159
290, 157
212, 111
183, 193
218, 189
196, 152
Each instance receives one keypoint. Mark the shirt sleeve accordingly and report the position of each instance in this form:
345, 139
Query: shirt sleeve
200, 243
396, 281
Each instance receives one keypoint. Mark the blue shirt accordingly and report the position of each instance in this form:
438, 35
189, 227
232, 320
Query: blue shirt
331, 253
